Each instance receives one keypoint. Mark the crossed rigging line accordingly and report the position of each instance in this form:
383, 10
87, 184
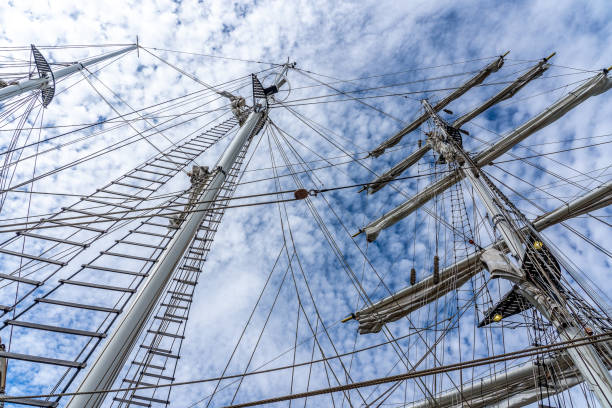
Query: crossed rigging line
123, 116
330, 190
528, 352
564, 180
320, 190
360, 290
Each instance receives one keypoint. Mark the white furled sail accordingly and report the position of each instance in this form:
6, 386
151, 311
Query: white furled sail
398, 169
598, 84
512, 388
476, 80
506, 93
402, 303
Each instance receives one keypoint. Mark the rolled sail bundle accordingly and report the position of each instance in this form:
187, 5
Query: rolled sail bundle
394, 307
390, 309
502, 95
476, 80
515, 387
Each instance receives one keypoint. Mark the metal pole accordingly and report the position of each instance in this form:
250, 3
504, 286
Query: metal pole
105, 369
585, 358
40, 83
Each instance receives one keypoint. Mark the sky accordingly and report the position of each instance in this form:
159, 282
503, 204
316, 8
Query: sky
394, 53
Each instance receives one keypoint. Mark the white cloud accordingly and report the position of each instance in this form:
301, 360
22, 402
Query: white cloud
343, 40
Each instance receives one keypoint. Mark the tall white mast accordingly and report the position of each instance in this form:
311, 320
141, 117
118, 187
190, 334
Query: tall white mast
103, 372
585, 358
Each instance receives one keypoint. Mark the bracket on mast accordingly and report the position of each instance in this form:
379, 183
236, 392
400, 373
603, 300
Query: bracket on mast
44, 71
3, 367
238, 106
199, 175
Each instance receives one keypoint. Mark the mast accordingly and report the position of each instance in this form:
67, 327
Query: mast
45, 81
372, 318
600, 83
104, 371
540, 290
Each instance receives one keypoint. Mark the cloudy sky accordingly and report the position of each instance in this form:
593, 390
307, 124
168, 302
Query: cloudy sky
390, 55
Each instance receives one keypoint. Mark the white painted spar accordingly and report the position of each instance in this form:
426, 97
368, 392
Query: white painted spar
40, 83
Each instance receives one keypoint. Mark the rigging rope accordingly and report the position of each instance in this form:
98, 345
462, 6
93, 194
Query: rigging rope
527, 352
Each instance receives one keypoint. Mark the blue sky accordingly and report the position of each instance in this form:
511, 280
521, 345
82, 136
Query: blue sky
427, 45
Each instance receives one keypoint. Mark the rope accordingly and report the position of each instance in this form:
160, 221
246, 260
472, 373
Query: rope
527, 352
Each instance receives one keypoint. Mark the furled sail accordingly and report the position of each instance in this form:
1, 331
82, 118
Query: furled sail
502, 95
398, 169
476, 80
598, 84
394, 307
515, 387
508, 92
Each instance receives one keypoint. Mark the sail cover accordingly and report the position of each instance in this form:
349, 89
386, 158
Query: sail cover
398, 169
392, 308
506, 93
596, 85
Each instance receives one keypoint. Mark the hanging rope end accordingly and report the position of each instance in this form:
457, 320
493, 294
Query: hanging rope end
349, 318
